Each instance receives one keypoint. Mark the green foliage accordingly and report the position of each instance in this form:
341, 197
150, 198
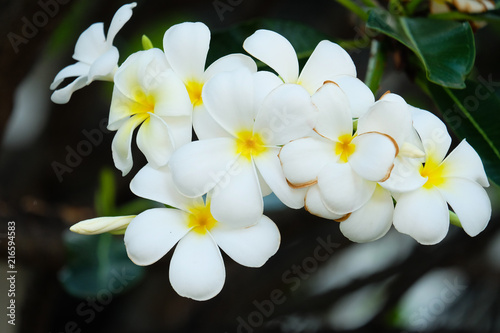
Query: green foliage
445, 48
97, 265
303, 38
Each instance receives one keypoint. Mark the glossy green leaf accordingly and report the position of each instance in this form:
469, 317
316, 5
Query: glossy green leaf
473, 114
445, 48
98, 267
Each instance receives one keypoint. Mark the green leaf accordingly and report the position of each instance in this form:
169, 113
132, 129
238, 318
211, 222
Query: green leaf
445, 48
303, 38
105, 196
98, 267
473, 114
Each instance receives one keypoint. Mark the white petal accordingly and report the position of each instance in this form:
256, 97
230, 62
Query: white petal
157, 184
141, 72
91, 44
153, 139
469, 201
236, 200
275, 51
63, 95
422, 214
101, 225
405, 176
153, 233
230, 63
186, 48
199, 166
314, 204
122, 15
327, 61
205, 125
286, 114
104, 66
170, 96
121, 109
303, 159
372, 220
359, 95
120, 147
228, 97
335, 118
264, 82
464, 162
269, 167
373, 157
390, 116
433, 134
342, 189
251, 246
197, 269
77, 69
180, 129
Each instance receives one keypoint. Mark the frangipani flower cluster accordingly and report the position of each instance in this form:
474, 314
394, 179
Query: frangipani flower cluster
317, 140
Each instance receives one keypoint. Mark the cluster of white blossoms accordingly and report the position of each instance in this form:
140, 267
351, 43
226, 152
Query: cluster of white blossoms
316, 139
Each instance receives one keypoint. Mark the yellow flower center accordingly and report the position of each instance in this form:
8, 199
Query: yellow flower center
344, 147
201, 219
194, 89
143, 103
249, 144
434, 173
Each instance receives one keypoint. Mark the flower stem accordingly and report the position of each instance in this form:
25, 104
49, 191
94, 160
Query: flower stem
376, 65
355, 8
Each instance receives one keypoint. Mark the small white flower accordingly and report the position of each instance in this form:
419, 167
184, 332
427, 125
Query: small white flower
457, 180
97, 58
345, 166
186, 47
328, 62
197, 268
258, 114
148, 92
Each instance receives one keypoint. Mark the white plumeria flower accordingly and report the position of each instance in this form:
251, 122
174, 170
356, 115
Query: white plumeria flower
197, 267
345, 166
97, 58
457, 180
328, 62
397, 122
186, 47
148, 92
243, 165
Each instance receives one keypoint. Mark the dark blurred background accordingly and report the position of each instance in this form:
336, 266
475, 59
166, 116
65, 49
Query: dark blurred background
317, 282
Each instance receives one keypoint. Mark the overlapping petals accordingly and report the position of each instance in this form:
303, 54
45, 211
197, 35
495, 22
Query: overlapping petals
457, 180
328, 62
256, 126
197, 268
148, 92
97, 58
186, 47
